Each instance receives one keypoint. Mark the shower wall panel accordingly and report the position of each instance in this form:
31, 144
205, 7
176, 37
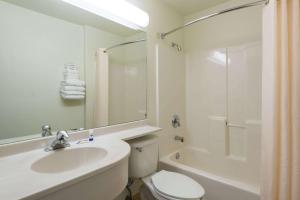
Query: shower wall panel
223, 103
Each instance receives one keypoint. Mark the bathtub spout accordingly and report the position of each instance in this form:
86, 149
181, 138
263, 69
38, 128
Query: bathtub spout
179, 138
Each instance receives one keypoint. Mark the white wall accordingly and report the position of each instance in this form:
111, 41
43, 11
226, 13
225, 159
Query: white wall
223, 77
162, 19
171, 84
34, 49
228, 29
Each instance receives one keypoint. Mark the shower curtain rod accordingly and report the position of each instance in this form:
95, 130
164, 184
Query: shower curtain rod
256, 3
125, 43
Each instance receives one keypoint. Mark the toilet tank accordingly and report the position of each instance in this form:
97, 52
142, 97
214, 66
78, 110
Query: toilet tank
143, 158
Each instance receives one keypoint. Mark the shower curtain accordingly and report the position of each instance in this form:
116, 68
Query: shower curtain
281, 101
101, 89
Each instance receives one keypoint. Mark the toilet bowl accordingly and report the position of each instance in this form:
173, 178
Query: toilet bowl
165, 185
162, 185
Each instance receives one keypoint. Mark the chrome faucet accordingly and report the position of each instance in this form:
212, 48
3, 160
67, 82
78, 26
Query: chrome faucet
175, 121
46, 130
59, 142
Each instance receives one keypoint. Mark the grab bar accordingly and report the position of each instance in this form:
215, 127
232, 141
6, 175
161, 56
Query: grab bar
234, 125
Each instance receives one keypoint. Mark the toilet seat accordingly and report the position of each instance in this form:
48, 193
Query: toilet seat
175, 186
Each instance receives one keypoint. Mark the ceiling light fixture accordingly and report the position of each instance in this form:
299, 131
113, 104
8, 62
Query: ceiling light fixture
119, 11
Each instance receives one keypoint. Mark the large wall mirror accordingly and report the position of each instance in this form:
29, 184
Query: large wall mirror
68, 68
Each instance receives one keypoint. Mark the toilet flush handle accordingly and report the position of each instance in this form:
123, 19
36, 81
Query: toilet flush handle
139, 149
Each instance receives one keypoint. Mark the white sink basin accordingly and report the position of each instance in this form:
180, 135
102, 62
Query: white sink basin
93, 170
68, 159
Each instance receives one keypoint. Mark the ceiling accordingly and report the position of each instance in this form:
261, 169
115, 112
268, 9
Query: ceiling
187, 7
65, 11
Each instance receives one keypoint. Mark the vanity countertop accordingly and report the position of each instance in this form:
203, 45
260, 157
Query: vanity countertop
19, 181
132, 133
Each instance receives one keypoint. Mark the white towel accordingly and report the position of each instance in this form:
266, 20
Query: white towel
73, 88
64, 92
68, 76
73, 83
71, 66
70, 71
69, 97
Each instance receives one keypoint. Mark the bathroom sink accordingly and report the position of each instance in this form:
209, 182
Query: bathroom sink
75, 172
68, 159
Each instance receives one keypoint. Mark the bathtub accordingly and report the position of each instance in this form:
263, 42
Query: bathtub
216, 187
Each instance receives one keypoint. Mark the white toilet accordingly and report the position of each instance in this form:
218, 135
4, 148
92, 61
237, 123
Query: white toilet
162, 185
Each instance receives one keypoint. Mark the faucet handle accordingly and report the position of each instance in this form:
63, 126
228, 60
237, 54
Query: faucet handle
62, 135
46, 130
59, 142
175, 121
46, 127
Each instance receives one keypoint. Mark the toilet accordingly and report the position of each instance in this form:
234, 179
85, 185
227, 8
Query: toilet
161, 185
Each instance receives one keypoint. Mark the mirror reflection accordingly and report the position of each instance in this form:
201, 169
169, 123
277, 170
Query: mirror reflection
64, 68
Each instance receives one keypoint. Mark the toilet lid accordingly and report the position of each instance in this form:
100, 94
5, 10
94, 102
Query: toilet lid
177, 186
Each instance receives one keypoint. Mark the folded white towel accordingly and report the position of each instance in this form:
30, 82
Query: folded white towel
71, 66
70, 71
73, 88
71, 76
65, 92
73, 83
70, 97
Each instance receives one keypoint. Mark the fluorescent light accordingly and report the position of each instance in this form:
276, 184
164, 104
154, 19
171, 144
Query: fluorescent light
119, 11
218, 58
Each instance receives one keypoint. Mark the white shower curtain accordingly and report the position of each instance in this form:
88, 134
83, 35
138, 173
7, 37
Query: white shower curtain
101, 89
281, 101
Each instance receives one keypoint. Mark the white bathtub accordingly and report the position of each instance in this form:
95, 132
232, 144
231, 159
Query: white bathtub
216, 187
